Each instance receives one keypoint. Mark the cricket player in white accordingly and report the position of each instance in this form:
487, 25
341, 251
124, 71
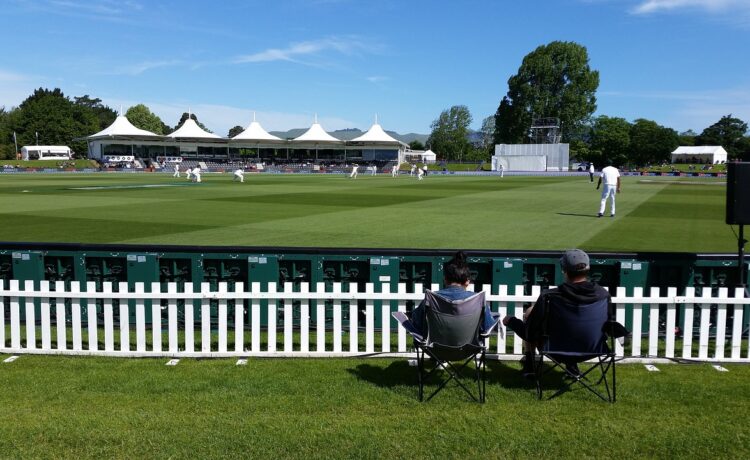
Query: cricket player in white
394, 171
239, 175
501, 168
189, 174
197, 174
176, 170
411, 171
374, 170
420, 173
611, 178
591, 172
354, 173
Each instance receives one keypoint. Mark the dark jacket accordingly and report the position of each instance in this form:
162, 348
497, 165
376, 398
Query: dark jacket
572, 294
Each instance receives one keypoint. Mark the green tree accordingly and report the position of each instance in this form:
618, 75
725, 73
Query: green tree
416, 144
728, 132
104, 114
185, 116
554, 80
488, 134
142, 117
235, 131
449, 133
56, 120
687, 138
609, 141
651, 143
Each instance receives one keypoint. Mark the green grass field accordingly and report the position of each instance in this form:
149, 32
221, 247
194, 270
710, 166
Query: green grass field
355, 408
548, 213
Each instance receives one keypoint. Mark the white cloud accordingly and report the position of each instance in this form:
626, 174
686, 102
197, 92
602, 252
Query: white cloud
715, 6
139, 68
295, 52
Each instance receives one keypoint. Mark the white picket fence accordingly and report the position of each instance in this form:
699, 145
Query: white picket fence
85, 322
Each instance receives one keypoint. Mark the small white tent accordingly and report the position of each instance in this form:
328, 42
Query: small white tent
713, 154
46, 152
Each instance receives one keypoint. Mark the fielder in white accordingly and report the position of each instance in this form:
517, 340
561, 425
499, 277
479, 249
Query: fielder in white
420, 174
176, 170
411, 171
197, 174
611, 178
239, 175
394, 171
354, 173
374, 170
501, 168
189, 174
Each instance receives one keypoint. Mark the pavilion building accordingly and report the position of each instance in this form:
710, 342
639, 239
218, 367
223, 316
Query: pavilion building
191, 142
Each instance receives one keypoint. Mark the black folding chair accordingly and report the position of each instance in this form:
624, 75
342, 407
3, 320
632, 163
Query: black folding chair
452, 340
574, 334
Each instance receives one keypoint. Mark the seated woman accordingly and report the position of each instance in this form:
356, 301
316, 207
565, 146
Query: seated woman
456, 278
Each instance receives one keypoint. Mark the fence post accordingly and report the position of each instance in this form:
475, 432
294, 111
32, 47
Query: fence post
62, 335
45, 312
140, 319
92, 317
239, 319
30, 315
304, 319
75, 314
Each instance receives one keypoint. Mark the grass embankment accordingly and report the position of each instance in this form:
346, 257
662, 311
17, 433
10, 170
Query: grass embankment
77, 164
355, 408
522, 213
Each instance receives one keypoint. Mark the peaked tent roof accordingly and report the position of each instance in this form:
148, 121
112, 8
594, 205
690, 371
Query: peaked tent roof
316, 133
255, 132
375, 134
122, 127
190, 129
699, 150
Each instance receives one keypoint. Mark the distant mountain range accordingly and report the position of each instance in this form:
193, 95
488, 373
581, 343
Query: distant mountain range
351, 133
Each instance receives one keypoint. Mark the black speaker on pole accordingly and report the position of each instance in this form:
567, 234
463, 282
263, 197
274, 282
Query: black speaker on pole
738, 193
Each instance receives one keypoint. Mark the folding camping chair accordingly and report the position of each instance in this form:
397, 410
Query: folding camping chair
574, 334
452, 340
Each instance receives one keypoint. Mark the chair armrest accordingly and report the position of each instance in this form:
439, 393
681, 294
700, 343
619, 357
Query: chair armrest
488, 332
615, 329
406, 323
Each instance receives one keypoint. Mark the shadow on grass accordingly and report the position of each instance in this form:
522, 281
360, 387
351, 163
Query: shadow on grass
576, 215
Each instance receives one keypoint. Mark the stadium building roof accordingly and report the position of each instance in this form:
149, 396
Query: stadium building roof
376, 135
255, 132
191, 130
317, 134
122, 127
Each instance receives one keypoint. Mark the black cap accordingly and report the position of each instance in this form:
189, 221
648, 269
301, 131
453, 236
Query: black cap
574, 260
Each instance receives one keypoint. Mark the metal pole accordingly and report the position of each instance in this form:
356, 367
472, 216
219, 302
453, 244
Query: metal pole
741, 255
15, 141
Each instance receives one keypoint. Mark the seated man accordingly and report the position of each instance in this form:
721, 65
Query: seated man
576, 290
456, 279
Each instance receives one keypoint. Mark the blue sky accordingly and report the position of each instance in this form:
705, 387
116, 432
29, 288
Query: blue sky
683, 63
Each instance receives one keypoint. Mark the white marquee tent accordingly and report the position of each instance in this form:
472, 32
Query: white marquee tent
700, 154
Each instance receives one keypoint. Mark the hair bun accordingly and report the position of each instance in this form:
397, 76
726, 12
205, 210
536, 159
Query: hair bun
460, 258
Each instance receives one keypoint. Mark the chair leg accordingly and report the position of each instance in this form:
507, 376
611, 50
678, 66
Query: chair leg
420, 370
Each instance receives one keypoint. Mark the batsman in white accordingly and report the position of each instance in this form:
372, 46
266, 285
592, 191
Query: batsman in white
197, 174
239, 175
611, 178
354, 173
